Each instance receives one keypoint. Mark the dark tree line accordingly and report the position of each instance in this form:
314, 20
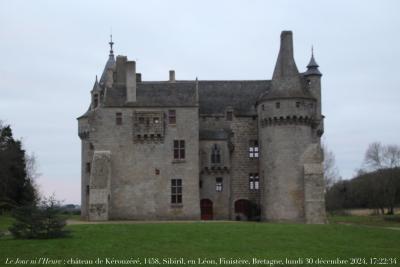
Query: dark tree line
376, 186
16, 184
377, 190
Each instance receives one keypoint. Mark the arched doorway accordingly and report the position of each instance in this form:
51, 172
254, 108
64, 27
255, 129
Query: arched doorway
206, 207
242, 209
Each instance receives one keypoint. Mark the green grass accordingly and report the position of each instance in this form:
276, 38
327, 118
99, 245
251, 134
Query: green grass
243, 240
378, 220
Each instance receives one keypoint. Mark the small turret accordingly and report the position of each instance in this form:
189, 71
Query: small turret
96, 94
313, 77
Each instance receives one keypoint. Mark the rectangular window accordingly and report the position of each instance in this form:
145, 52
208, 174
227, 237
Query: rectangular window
176, 191
172, 116
277, 104
254, 181
88, 167
218, 184
179, 149
229, 115
118, 118
297, 104
141, 120
253, 149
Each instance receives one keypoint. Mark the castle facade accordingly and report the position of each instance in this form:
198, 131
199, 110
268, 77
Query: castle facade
211, 150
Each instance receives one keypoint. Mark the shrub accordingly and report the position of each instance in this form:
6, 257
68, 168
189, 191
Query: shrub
39, 221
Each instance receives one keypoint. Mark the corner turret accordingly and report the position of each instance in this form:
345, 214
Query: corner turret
286, 115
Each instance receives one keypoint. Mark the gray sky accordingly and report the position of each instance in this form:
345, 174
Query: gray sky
52, 50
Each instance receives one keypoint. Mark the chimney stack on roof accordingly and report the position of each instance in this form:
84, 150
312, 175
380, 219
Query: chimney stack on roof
172, 76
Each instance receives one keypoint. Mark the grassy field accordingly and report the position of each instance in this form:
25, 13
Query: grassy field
212, 241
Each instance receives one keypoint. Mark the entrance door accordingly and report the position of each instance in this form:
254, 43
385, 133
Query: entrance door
242, 208
206, 207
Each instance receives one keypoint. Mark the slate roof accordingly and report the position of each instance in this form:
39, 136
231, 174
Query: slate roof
155, 94
216, 96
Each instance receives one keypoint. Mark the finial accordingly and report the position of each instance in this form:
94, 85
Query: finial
312, 50
111, 46
96, 78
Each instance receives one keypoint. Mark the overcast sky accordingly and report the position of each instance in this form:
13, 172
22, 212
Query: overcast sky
52, 50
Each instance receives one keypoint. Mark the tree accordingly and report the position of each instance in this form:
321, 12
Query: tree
331, 172
16, 188
378, 158
39, 220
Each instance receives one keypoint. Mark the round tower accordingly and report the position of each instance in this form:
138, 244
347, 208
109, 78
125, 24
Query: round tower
286, 115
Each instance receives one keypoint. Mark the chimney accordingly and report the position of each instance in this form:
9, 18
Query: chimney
171, 76
138, 77
130, 81
285, 65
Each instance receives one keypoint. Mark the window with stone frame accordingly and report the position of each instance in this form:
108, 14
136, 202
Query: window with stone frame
118, 118
176, 191
254, 181
253, 149
179, 149
218, 184
215, 154
172, 116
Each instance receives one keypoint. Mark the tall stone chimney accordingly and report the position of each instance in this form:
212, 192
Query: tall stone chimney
286, 74
130, 81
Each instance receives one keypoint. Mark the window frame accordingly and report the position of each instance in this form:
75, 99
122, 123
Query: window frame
176, 191
254, 150
172, 116
179, 150
216, 154
219, 184
254, 181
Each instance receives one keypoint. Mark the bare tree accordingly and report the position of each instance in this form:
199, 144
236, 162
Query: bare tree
31, 167
380, 157
331, 171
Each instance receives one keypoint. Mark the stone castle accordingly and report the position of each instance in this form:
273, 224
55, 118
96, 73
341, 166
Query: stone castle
211, 150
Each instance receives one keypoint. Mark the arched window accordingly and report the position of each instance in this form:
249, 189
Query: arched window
215, 154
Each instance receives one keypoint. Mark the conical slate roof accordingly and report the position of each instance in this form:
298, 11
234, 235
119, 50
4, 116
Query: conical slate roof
312, 67
96, 86
109, 65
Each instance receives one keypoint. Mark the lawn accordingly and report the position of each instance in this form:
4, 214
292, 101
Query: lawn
215, 240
